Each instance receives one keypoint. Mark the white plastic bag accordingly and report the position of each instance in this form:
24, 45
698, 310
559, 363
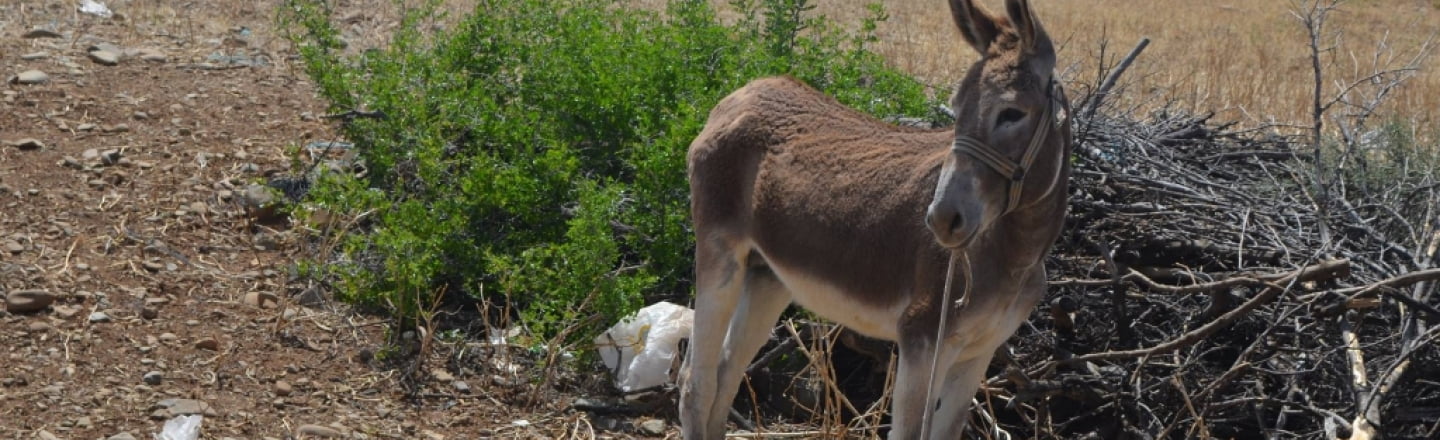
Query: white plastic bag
95, 8
641, 350
181, 428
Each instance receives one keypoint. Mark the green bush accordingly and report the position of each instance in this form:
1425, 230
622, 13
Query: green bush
536, 151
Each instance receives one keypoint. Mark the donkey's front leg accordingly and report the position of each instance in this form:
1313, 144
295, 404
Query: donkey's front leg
958, 390
907, 413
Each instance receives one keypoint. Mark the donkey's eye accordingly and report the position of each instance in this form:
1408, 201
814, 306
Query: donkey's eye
1009, 116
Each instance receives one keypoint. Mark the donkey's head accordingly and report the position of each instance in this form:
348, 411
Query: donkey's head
1008, 139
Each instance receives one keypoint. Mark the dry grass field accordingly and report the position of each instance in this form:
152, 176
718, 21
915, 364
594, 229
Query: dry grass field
1246, 60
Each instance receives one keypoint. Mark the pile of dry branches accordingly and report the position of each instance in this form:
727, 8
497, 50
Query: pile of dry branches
1205, 288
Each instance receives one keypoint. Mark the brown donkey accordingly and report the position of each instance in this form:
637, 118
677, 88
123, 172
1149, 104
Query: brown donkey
797, 198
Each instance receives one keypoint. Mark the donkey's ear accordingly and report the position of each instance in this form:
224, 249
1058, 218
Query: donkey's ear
1032, 37
976, 26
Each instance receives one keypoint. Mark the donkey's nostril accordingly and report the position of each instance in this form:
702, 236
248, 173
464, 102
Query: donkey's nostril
955, 224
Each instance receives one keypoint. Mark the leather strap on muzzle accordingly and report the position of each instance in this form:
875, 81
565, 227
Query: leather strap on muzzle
1003, 165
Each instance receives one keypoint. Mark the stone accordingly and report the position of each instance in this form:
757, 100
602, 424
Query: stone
652, 427
461, 386
105, 57
30, 77
26, 301
318, 431
110, 157
26, 144
168, 337
152, 378
33, 56
91, 154
108, 47
168, 408
121, 436
38, 327
441, 375
261, 299
151, 55
67, 312
87, 126
117, 128
41, 33
311, 297
259, 202
72, 163
283, 388
99, 317
13, 247
149, 313
45, 435
208, 344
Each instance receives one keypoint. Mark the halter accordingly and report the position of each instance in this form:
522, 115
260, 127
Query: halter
1002, 164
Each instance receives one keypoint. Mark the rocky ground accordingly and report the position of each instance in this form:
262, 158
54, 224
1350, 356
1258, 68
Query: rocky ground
138, 284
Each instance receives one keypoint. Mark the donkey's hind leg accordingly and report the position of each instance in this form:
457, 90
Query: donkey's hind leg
719, 283
761, 304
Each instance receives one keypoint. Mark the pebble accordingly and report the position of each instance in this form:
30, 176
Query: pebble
168, 408
99, 317
168, 337
85, 126
117, 128
149, 313
30, 77
67, 312
441, 375
318, 431
152, 265
110, 157
652, 427
25, 301
32, 56
283, 388
151, 55
462, 387
152, 378
45, 435
105, 57
122, 436
13, 247
71, 162
311, 297
26, 144
41, 33
208, 344
259, 203
261, 299
38, 327
90, 154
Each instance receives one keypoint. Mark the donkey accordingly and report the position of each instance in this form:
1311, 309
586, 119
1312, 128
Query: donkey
797, 198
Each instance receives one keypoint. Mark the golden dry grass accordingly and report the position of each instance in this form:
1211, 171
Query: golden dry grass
1246, 60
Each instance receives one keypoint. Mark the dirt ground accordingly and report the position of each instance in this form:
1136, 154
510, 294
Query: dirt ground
123, 217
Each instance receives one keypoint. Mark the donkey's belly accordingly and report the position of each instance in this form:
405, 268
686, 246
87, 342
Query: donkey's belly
835, 303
